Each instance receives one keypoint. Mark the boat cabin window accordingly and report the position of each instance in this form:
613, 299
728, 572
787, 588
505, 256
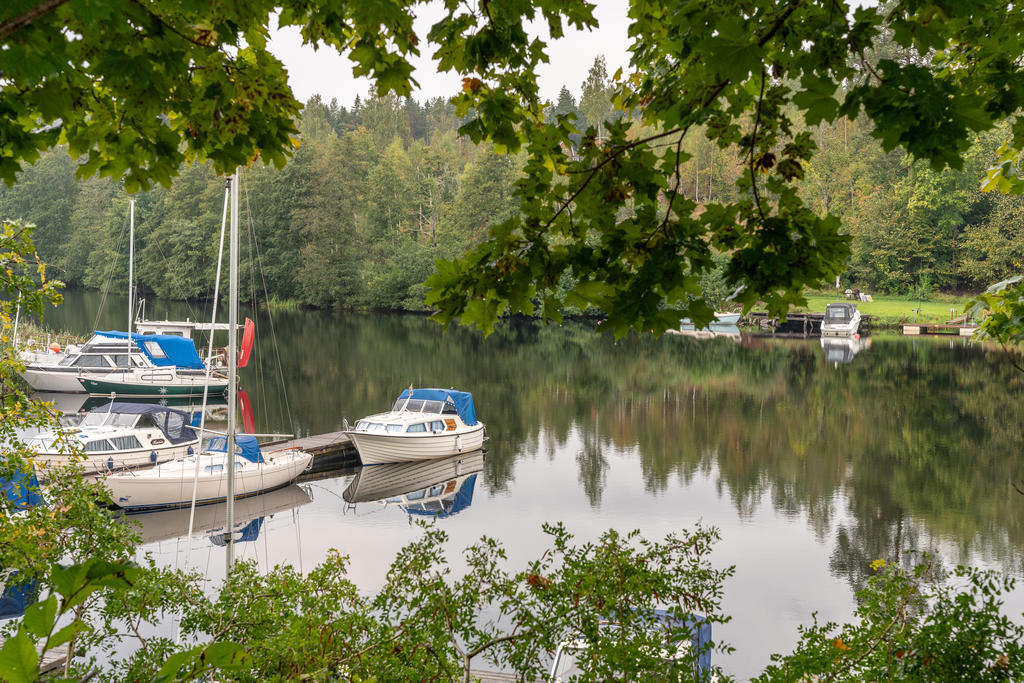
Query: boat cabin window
416, 495
375, 427
175, 423
394, 429
154, 349
66, 361
126, 443
146, 422
122, 361
437, 426
415, 405
419, 427
838, 314
361, 425
437, 490
432, 406
87, 361
43, 445
98, 446
449, 409
108, 419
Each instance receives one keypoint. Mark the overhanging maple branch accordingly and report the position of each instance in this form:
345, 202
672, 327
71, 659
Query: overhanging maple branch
26, 18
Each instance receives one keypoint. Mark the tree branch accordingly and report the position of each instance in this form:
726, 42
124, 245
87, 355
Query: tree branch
20, 22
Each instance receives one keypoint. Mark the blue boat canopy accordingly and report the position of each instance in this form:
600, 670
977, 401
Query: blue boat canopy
462, 400
247, 445
20, 487
173, 423
164, 350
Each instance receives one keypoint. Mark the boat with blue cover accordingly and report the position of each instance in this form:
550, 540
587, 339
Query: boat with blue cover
116, 436
109, 354
176, 370
423, 424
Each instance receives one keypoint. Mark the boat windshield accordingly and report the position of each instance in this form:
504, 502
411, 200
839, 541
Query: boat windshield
108, 419
417, 405
838, 314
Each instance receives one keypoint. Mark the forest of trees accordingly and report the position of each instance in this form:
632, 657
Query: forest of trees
378, 191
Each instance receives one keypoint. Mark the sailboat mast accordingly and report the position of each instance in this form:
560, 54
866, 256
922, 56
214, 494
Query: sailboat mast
131, 275
232, 367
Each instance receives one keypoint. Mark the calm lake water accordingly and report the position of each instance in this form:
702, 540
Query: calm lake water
811, 469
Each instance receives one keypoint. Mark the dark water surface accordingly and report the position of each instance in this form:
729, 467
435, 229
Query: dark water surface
810, 469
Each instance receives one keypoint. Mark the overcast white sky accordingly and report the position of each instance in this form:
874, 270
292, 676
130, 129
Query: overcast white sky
324, 71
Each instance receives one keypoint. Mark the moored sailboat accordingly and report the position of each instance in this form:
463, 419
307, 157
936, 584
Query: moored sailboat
170, 485
214, 474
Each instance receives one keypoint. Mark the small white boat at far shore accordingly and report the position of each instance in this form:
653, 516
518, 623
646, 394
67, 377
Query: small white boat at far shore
423, 424
841, 320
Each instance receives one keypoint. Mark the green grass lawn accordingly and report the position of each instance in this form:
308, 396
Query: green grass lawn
893, 310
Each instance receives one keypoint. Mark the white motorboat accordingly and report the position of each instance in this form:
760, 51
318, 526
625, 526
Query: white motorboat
435, 488
108, 354
423, 424
117, 436
169, 485
723, 322
841, 320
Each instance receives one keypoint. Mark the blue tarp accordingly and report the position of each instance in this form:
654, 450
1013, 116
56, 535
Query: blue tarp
164, 350
22, 489
462, 400
17, 596
250, 448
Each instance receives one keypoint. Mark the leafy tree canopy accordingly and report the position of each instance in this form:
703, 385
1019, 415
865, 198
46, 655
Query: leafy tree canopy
135, 88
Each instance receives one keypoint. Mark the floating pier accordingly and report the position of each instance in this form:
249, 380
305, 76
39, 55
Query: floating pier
330, 451
946, 330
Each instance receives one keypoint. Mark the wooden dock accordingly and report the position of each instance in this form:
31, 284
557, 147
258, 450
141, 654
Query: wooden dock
947, 330
799, 325
330, 451
493, 677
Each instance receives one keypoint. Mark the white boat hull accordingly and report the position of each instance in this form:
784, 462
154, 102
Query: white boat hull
103, 463
170, 486
377, 448
848, 329
65, 382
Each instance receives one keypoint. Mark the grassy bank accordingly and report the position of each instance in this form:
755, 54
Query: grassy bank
893, 310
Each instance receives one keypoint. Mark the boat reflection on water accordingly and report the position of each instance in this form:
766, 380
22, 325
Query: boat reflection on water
209, 520
714, 331
843, 349
435, 488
